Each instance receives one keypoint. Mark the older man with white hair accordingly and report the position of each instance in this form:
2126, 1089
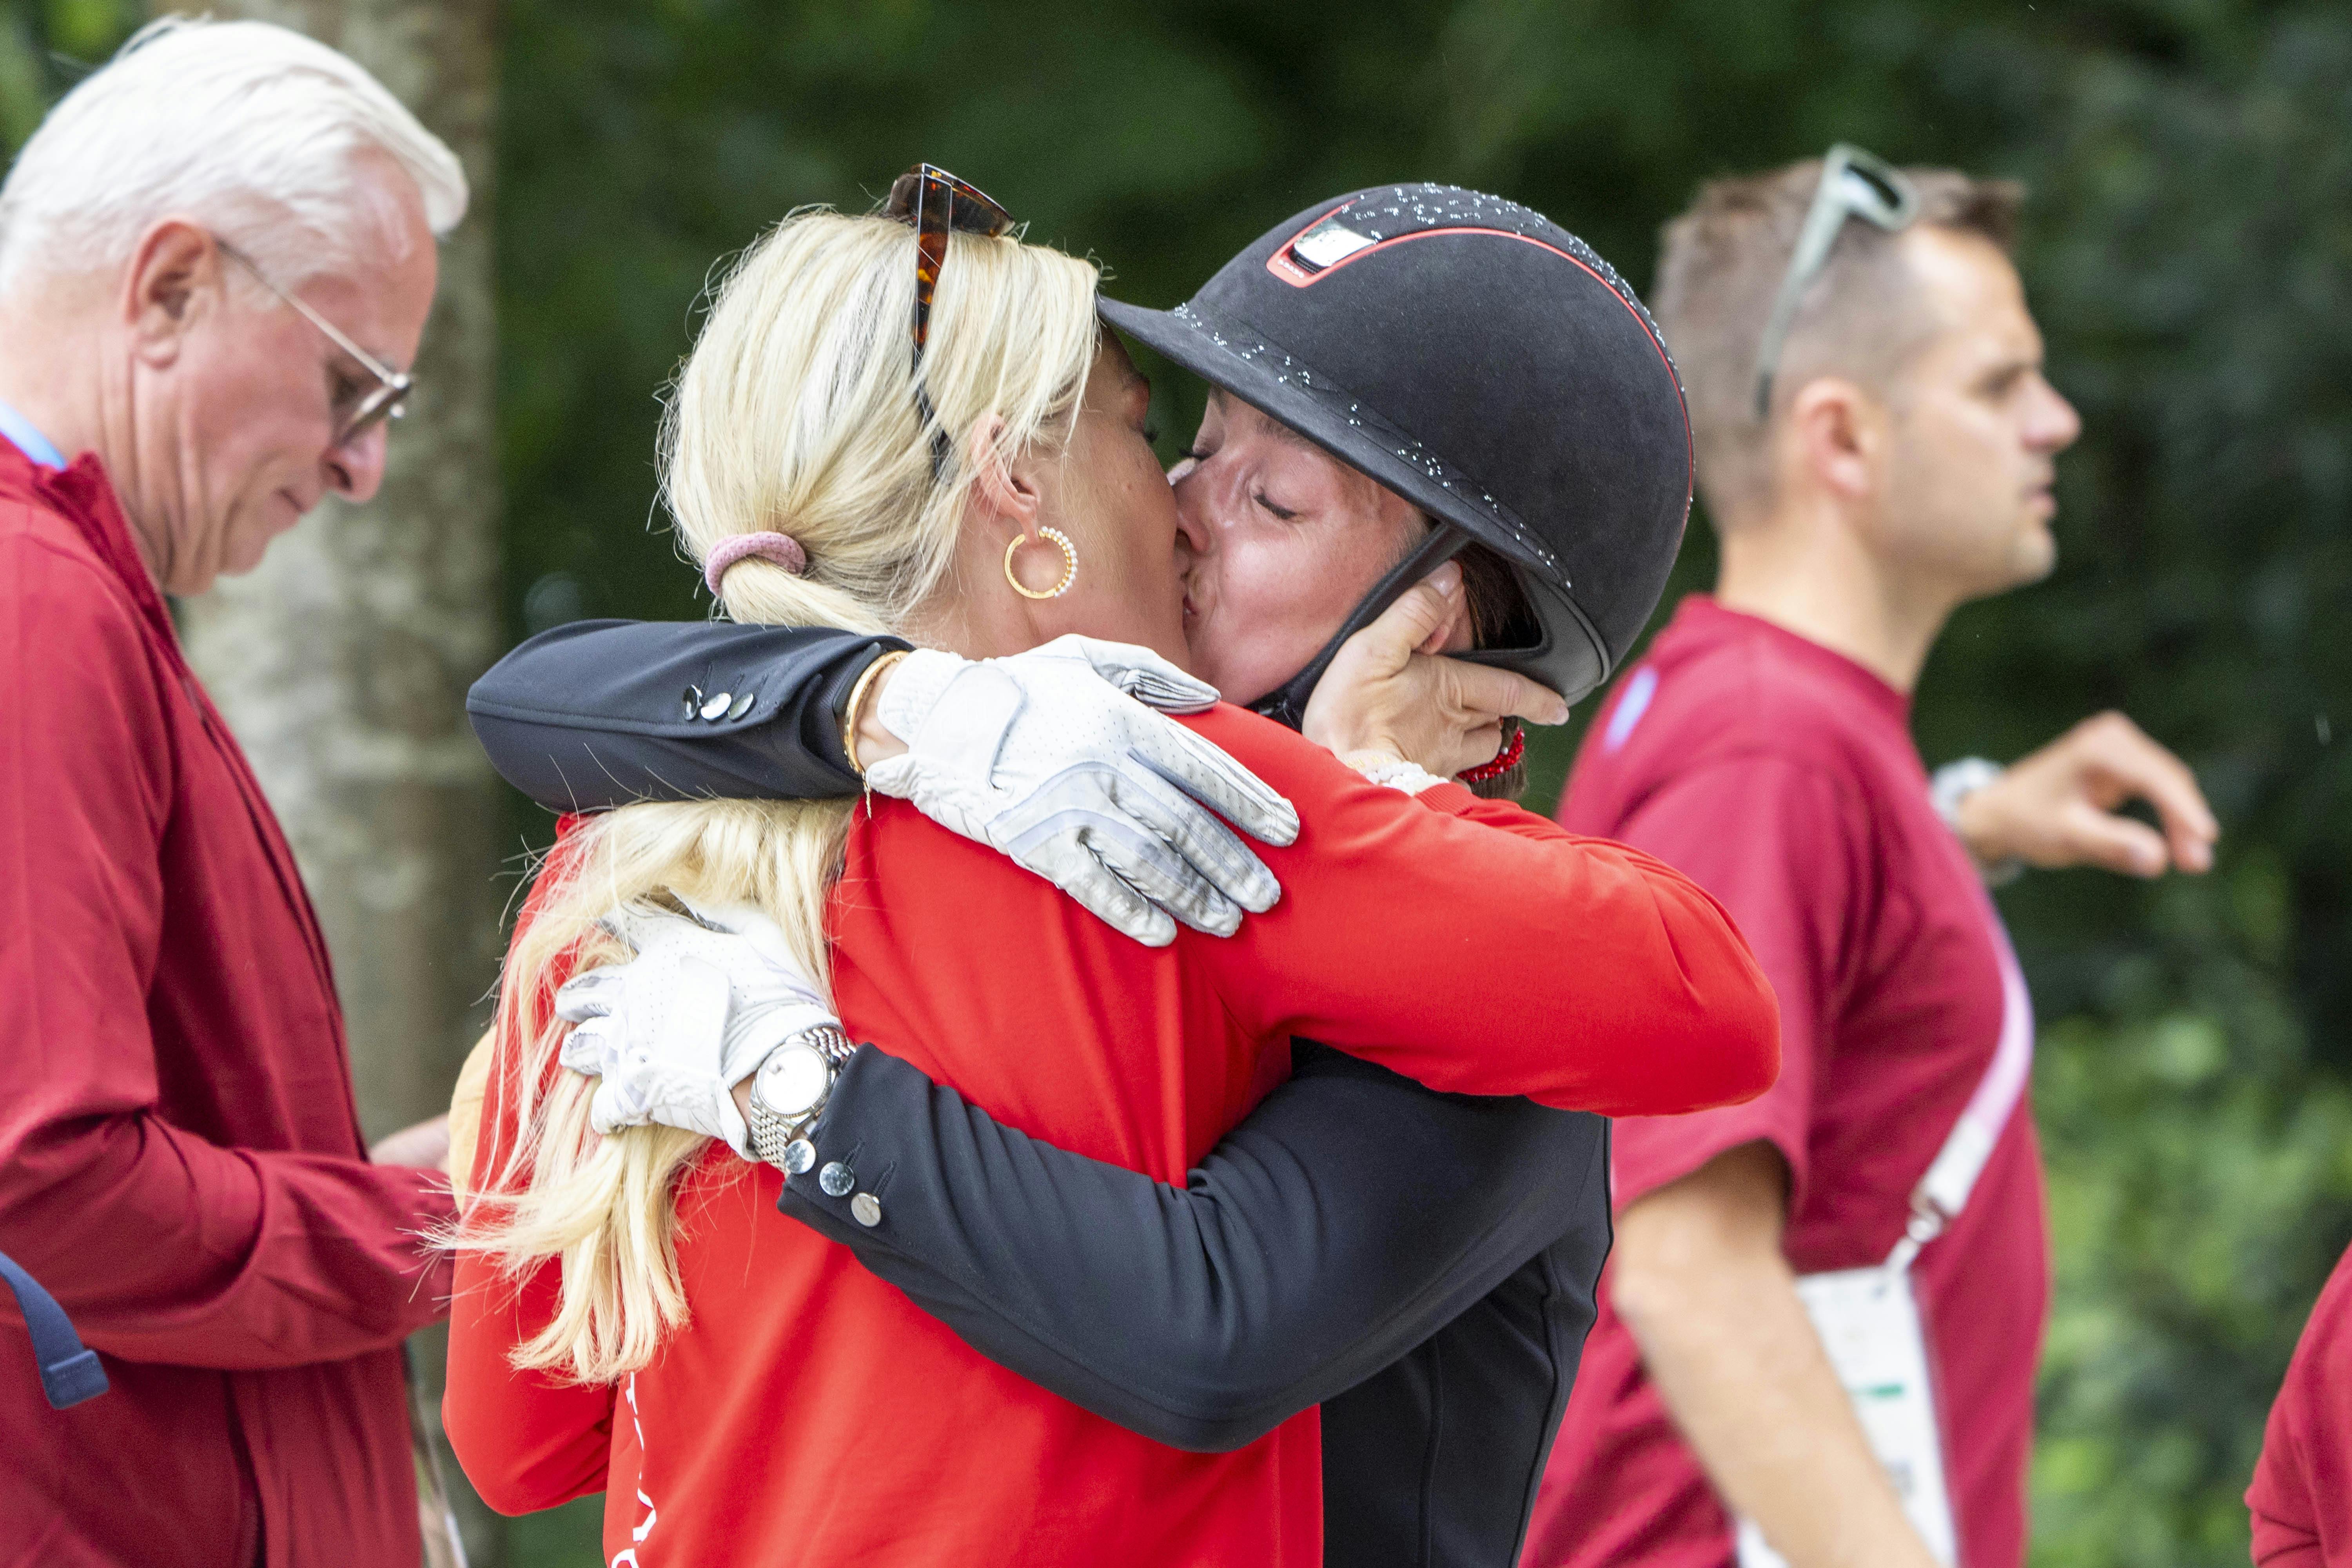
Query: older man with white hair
216, 257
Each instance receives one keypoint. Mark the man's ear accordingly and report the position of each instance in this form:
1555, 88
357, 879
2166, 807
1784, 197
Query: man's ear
175, 272
1839, 429
1002, 489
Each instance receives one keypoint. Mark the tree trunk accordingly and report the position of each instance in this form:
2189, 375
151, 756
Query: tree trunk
342, 661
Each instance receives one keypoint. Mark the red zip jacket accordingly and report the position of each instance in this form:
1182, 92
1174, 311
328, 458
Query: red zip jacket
810, 1412
180, 1156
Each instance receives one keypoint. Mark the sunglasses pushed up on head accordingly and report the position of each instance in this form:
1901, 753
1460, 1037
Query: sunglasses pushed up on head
936, 204
1854, 184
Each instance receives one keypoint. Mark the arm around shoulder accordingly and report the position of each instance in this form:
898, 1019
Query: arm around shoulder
1350, 1216
1481, 950
601, 713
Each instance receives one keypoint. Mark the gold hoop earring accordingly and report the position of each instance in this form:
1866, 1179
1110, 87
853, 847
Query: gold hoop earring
1069, 564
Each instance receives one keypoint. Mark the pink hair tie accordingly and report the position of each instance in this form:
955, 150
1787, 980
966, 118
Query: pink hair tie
781, 548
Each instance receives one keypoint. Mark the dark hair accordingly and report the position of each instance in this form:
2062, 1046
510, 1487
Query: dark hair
1500, 616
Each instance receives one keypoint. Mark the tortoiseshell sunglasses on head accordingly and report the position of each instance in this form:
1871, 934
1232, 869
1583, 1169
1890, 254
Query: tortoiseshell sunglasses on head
936, 203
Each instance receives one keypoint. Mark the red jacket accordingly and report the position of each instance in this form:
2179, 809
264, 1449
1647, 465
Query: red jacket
180, 1160
811, 1411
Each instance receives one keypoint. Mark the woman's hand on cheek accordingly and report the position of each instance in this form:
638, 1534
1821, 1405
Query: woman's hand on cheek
1386, 692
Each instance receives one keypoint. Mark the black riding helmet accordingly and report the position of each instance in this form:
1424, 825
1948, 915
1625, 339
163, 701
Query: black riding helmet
1485, 365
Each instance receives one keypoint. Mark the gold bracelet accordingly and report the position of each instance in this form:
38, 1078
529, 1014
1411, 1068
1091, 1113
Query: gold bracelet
849, 711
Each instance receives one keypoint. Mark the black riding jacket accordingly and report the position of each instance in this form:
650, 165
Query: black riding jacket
1422, 1265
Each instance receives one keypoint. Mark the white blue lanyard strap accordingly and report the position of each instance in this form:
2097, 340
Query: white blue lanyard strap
1944, 1190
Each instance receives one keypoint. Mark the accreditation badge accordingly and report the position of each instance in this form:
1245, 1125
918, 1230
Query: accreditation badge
1868, 1320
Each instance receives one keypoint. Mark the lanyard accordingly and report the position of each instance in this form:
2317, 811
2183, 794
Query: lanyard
26, 437
1944, 1190
69, 1374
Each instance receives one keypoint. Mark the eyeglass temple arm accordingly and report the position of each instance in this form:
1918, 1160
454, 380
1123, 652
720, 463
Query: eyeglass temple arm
398, 380
1822, 224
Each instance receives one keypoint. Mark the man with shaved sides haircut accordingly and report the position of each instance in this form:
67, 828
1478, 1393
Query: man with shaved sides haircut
1818, 1333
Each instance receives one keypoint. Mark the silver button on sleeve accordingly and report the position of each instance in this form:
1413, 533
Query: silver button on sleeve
835, 1179
867, 1210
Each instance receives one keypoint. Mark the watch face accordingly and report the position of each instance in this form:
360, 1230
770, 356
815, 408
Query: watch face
793, 1079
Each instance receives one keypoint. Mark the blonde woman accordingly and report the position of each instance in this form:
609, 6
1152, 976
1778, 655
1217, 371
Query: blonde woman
741, 1390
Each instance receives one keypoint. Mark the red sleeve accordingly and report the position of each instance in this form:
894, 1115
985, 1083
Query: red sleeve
1777, 842
165, 1247
527, 1440
1483, 950
2300, 1499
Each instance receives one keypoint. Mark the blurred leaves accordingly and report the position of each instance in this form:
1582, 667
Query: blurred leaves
47, 46
2189, 252
24, 95
2189, 259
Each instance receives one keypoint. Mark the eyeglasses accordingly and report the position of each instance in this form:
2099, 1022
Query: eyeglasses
1854, 184
354, 415
936, 203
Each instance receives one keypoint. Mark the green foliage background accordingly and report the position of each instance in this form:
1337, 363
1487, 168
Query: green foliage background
2189, 255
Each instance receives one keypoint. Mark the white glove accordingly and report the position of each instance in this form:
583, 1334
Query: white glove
672, 1031
1055, 758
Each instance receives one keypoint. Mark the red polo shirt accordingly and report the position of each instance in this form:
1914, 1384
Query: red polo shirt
809, 1411
1782, 778
2302, 1495
180, 1154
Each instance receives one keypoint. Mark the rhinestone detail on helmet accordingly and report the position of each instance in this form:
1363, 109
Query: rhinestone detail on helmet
1410, 209
1288, 372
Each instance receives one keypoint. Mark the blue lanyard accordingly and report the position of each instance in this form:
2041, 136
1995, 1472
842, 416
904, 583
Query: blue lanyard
27, 439
69, 1374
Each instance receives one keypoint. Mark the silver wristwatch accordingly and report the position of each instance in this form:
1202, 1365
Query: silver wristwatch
1954, 782
789, 1094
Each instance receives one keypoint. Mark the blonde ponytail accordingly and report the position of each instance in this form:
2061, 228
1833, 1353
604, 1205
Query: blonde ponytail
796, 414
